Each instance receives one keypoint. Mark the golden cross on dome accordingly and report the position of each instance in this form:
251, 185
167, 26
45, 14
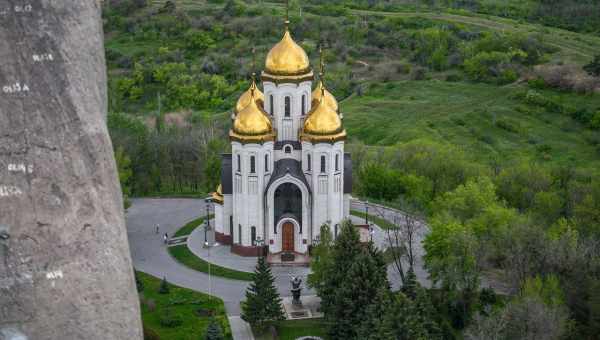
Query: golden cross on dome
287, 14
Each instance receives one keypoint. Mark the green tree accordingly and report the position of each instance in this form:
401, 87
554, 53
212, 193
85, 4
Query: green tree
321, 259
263, 303
125, 173
214, 331
593, 68
352, 283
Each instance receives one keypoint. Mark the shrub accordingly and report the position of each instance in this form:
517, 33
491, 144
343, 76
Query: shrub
169, 319
418, 73
164, 286
593, 68
508, 125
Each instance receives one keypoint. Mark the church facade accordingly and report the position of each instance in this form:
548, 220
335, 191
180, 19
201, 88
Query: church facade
287, 173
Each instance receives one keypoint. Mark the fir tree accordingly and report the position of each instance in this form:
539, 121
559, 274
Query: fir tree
214, 332
411, 286
164, 286
355, 282
263, 303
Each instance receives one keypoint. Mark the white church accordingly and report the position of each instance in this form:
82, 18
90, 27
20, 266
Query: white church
287, 173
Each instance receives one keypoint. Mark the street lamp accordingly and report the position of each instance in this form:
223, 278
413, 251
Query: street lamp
367, 212
207, 245
260, 243
207, 227
371, 231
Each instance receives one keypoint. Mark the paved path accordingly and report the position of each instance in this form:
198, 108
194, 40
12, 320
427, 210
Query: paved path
240, 329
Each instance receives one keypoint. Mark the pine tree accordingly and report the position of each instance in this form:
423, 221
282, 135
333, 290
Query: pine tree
214, 332
353, 284
411, 286
263, 303
164, 286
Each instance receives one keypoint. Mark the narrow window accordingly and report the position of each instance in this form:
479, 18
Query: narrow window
252, 165
337, 162
308, 165
253, 235
322, 164
271, 104
287, 149
266, 163
303, 104
231, 227
239, 163
287, 106
239, 234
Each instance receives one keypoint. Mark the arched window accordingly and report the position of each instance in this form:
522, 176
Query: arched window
303, 104
253, 235
266, 163
287, 149
308, 163
323, 163
252, 165
239, 163
271, 105
288, 106
337, 162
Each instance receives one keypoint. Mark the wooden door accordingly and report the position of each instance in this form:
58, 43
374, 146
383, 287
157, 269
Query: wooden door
288, 237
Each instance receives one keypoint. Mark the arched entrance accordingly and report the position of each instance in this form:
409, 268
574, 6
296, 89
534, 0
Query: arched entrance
288, 201
287, 237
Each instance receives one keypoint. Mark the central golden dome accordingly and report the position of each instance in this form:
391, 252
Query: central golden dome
245, 98
252, 124
287, 58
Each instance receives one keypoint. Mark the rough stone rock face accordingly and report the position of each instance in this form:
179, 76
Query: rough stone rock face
65, 266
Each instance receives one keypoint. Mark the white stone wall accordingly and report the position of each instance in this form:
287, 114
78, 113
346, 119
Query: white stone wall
287, 127
329, 204
248, 188
218, 218
227, 211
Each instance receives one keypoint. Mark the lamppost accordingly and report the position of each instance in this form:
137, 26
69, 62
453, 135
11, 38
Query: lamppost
207, 245
367, 212
260, 243
371, 231
207, 228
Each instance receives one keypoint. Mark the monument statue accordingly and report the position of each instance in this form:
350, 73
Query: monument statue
65, 266
296, 290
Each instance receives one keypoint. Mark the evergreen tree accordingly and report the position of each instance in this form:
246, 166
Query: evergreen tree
321, 260
214, 332
354, 282
164, 286
263, 303
411, 286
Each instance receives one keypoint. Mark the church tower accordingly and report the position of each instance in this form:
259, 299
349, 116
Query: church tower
287, 173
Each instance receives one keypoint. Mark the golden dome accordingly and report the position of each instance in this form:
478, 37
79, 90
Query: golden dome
323, 124
244, 99
328, 98
217, 196
252, 123
287, 58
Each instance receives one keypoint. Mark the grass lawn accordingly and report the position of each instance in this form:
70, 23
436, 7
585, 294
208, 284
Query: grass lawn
182, 303
182, 254
292, 329
190, 226
467, 115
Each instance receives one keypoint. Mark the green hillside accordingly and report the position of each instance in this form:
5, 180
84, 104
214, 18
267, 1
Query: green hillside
490, 123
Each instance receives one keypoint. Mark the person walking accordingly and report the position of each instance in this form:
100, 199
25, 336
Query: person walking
157, 227
166, 238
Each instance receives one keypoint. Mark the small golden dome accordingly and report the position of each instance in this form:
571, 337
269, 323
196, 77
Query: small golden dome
323, 124
244, 99
217, 196
252, 123
287, 58
328, 98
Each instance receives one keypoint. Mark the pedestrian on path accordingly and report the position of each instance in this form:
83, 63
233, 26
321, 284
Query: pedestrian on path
166, 238
157, 227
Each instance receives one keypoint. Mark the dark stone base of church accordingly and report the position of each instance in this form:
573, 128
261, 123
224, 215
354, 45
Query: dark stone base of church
222, 238
247, 251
